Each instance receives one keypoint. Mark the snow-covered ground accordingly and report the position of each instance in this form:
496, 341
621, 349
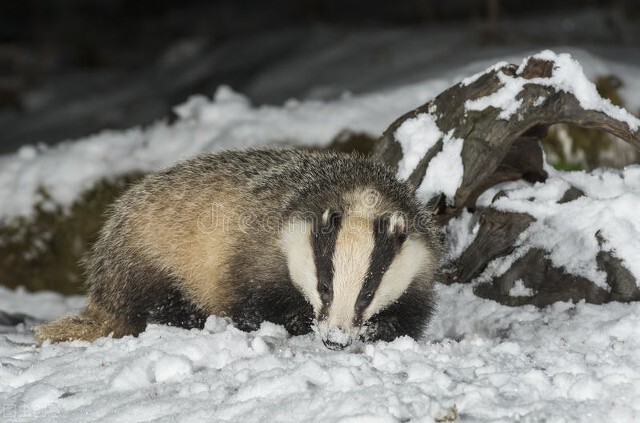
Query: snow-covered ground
491, 362
478, 361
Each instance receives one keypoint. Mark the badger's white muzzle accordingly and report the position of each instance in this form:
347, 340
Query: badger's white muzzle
336, 338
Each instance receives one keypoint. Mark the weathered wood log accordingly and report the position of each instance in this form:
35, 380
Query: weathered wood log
496, 238
500, 128
547, 283
488, 136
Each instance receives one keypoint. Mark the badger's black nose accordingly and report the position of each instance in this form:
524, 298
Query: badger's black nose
336, 346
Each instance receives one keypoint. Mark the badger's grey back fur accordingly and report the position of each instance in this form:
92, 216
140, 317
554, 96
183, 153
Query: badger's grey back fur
205, 237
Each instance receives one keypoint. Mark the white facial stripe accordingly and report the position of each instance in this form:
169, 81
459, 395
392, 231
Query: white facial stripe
354, 245
412, 259
296, 244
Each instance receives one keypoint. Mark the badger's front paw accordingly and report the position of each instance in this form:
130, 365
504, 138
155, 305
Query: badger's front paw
378, 330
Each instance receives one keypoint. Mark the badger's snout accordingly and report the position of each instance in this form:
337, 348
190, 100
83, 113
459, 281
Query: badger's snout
336, 338
335, 346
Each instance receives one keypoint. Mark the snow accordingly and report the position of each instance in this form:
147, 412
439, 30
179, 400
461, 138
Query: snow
568, 230
460, 233
519, 290
444, 172
41, 305
567, 76
491, 362
227, 121
504, 99
478, 360
473, 78
416, 136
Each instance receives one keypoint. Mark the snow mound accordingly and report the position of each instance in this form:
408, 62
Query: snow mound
490, 362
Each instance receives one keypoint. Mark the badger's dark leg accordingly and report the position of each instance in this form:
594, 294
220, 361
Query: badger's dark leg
408, 316
294, 313
173, 308
147, 295
281, 305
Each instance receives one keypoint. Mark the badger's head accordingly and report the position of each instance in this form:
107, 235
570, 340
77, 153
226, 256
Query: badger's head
351, 266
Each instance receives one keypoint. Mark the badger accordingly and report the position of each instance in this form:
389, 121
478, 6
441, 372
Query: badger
311, 240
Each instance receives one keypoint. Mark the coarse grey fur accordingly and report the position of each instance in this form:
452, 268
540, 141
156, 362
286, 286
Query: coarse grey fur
204, 237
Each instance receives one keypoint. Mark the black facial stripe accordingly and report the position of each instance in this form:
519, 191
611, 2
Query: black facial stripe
386, 246
323, 239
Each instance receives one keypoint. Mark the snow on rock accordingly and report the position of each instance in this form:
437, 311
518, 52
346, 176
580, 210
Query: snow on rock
567, 76
416, 136
489, 362
473, 78
519, 290
444, 172
504, 99
460, 233
569, 231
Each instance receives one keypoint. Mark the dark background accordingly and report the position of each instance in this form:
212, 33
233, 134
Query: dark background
71, 68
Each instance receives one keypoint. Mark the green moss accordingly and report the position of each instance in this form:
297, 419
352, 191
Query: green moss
44, 251
567, 167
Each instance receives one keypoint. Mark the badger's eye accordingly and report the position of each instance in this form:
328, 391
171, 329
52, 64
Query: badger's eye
324, 288
323, 285
364, 300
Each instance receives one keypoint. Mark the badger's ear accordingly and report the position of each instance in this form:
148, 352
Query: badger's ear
398, 227
330, 218
394, 226
437, 205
